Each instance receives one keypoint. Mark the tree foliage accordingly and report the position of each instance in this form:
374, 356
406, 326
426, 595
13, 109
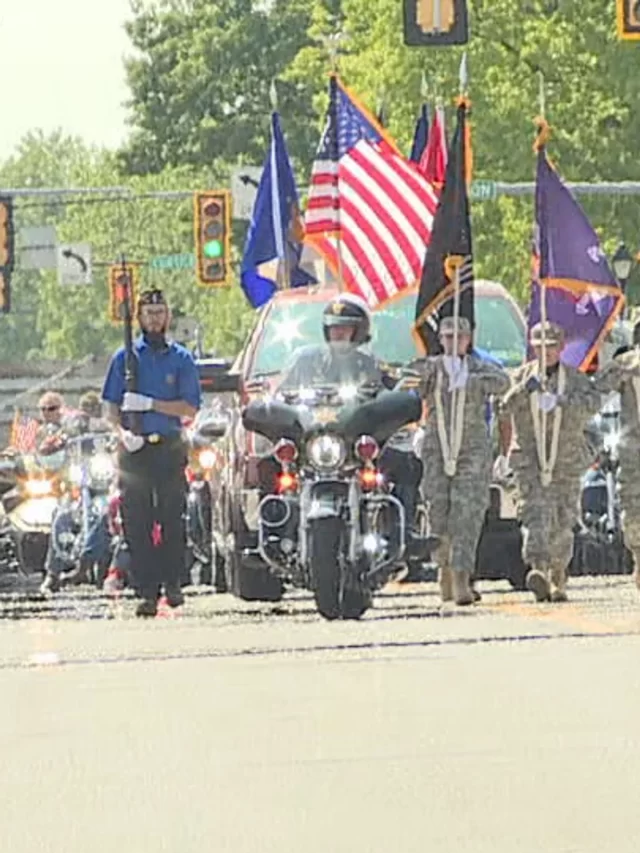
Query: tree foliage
68, 322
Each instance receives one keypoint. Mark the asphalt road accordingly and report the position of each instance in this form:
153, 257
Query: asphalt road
239, 727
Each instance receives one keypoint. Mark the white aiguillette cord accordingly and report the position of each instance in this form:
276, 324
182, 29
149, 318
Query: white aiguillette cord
449, 453
547, 464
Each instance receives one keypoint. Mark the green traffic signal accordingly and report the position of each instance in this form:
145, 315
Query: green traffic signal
213, 249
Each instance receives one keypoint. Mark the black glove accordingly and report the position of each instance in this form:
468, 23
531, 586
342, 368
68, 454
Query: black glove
532, 385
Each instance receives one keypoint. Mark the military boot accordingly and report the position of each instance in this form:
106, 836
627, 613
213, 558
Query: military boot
538, 583
462, 593
446, 583
558, 583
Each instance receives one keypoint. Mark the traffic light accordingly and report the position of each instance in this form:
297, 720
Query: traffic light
122, 278
432, 23
7, 252
212, 224
628, 19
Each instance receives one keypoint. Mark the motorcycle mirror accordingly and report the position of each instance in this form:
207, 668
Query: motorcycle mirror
216, 378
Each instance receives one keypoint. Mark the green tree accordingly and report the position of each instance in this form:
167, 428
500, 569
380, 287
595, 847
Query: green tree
69, 322
200, 84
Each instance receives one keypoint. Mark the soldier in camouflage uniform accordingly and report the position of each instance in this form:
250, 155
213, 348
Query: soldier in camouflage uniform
457, 453
622, 374
549, 418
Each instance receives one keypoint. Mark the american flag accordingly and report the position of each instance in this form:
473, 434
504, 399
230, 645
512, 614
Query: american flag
23, 432
370, 211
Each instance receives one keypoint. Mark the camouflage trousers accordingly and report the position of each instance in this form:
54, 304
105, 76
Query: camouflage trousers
457, 506
549, 515
629, 480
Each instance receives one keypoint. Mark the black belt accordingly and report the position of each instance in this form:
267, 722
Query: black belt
156, 438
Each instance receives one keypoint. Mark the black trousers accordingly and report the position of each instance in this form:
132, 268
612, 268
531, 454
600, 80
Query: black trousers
154, 488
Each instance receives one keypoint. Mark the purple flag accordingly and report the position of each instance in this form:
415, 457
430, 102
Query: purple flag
582, 294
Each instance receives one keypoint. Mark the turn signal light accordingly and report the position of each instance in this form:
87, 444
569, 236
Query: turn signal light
369, 478
287, 482
367, 448
285, 452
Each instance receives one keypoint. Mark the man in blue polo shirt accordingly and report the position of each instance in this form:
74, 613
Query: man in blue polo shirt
152, 456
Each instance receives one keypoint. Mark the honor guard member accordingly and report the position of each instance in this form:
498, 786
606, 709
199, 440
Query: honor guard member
457, 455
549, 415
153, 458
622, 374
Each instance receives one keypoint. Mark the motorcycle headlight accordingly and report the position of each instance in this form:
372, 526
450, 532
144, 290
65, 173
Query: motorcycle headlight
38, 488
207, 459
101, 467
326, 452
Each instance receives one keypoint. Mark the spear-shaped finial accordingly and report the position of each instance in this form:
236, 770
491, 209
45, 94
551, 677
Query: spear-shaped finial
273, 95
424, 87
541, 95
464, 75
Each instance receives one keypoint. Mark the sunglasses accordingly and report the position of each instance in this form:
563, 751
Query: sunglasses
49, 408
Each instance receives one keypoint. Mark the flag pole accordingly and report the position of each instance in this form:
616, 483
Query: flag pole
452, 266
333, 46
542, 362
283, 272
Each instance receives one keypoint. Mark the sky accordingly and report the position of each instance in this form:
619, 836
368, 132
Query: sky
61, 66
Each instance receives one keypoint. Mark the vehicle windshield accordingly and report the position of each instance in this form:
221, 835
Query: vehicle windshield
289, 327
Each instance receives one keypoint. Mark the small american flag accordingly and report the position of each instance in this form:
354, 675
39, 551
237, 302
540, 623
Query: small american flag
23, 432
370, 211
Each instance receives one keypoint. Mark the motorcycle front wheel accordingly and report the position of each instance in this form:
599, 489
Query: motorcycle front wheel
333, 602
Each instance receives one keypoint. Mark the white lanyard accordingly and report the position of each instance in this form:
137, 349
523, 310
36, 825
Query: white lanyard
547, 465
458, 397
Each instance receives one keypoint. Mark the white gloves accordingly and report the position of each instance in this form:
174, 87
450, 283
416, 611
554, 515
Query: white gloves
133, 402
458, 371
548, 401
501, 468
131, 441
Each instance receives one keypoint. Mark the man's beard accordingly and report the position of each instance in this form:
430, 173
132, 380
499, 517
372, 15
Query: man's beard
156, 340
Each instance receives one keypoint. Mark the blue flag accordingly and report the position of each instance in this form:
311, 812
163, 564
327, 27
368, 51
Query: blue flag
571, 270
271, 259
420, 135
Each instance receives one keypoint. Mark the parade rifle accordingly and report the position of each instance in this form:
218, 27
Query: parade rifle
133, 419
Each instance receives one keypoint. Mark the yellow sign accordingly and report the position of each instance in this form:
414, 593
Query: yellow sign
433, 15
628, 17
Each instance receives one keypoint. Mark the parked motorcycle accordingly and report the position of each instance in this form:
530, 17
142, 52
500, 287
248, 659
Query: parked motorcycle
202, 555
332, 526
599, 546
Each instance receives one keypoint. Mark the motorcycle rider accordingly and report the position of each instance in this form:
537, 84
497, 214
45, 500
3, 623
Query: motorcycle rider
457, 452
346, 325
50, 434
549, 466
61, 564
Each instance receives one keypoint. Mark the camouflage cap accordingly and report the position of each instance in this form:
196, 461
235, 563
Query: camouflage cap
448, 324
548, 333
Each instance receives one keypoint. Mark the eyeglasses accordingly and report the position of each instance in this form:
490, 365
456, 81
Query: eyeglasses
49, 408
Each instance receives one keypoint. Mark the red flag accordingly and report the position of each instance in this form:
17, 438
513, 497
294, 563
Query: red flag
433, 163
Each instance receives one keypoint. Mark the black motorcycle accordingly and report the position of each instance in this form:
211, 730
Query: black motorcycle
331, 524
599, 547
203, 563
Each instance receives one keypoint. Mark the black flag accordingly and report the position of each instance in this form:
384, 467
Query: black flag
450, 239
